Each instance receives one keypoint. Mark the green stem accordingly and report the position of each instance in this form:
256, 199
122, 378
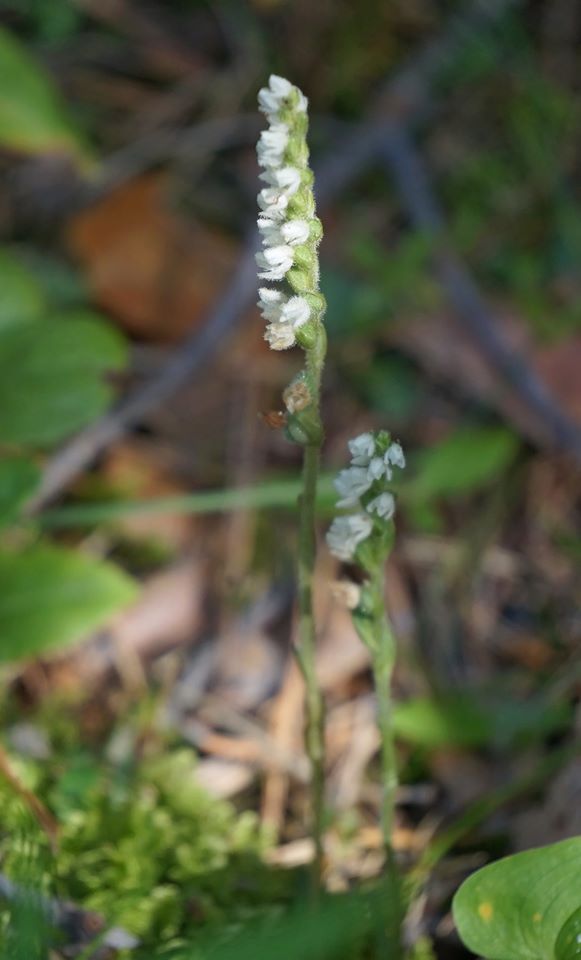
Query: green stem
306, 646
383, 653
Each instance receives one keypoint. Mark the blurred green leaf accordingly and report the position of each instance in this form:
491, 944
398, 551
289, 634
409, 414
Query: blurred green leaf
21, 297
568, 945
330, 930
50, 597
515, 908
475, 720
51, 377
19, 478
466, 461
33, 118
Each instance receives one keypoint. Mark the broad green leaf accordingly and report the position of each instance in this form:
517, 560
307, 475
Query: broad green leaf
52, 377
21, 296
51, 597
514, 909
466, 461
568, 945
33, 118
19, 478
475, 720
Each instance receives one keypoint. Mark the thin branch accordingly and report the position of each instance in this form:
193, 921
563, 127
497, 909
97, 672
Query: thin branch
413, 185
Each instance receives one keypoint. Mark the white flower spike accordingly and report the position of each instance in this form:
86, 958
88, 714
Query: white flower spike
287, 218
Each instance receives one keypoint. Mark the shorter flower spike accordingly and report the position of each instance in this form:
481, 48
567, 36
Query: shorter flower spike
363, 486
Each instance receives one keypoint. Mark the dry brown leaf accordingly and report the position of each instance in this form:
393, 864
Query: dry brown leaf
151, 268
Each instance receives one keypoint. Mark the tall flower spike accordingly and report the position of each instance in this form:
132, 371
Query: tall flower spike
289, 230
290, 233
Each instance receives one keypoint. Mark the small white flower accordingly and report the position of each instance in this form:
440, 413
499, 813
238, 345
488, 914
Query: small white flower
272, 145
362, 449
270, 98
270, 232
351, 484
274, 262
287, 179
295, 311
280, 336
273, 204
295, 231
395, 455
377, 469
345, 533
280, 86
270, 303
383, 506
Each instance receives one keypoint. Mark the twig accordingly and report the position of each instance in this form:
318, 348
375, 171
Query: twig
414, 188
405, 93
41, 813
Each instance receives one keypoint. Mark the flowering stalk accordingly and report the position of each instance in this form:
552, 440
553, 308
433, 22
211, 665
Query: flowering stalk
365, 537
290, 234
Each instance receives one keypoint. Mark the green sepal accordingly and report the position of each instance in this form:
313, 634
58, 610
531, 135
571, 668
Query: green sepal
306, 335
304, 427
374, 551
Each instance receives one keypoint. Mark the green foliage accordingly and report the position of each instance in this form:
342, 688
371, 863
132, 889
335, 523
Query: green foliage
21, 296
19, 478
336, 928
24, 924
51, 377
155, 854
473, 720
568, 945
50, 597
33, 118
515, 909
466, 461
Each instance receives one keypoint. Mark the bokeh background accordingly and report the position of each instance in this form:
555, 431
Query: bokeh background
445, 139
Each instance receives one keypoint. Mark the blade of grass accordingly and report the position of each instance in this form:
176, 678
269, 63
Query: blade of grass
276, 493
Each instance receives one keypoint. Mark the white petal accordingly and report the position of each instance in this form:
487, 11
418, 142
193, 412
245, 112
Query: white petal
296, 311
273, 204
395, 455
362, 449
383, 506
351, 484
376, 468
295, 231
280, 336
346, 533
280, 86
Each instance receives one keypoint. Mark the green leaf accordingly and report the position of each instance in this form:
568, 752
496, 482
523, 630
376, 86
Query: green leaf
466, 461
51, 377
21, 296
51, 597
475, 720
33, 118
514, 909
568, 945
19, 478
